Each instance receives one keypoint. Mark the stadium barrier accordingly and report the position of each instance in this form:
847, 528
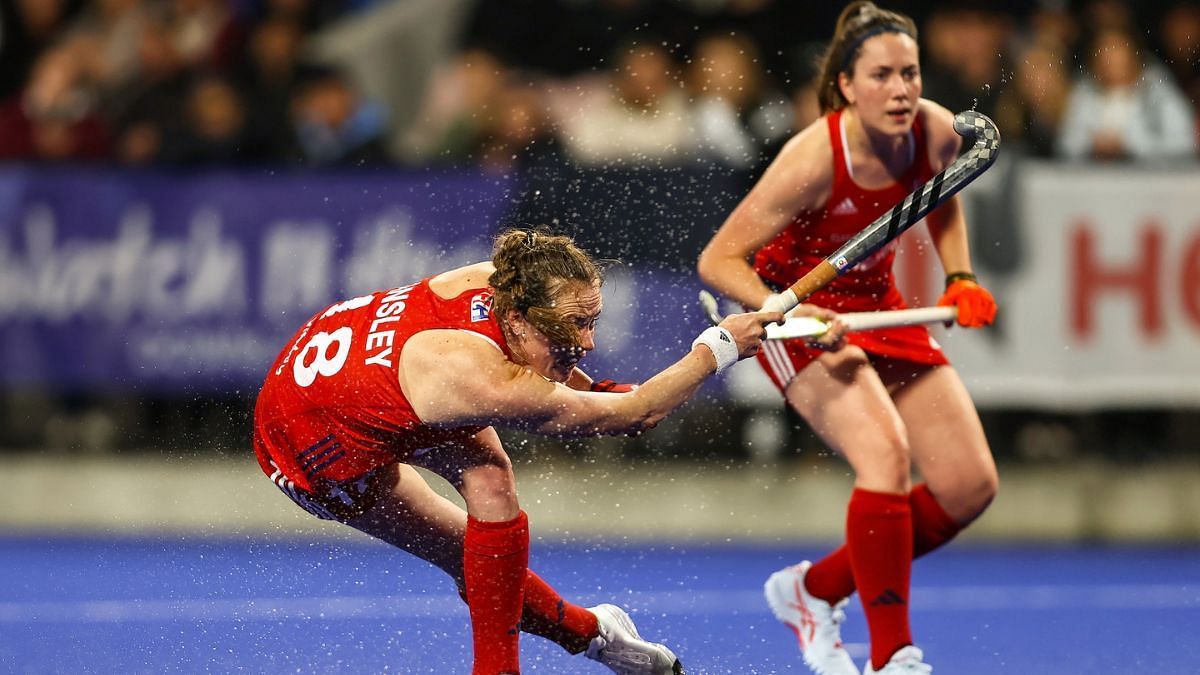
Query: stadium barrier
191, 283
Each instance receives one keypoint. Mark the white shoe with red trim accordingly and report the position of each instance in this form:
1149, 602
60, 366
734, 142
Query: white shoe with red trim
906, 661
816, 623
619, 646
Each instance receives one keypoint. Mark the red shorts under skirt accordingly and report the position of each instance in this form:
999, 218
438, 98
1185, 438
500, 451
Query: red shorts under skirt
784, 359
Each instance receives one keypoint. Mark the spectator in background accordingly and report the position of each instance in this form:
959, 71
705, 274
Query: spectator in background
1030, 111
148, 109
109, 34
205, 32
333, 125
214, 128
803, 90
311, 14
517, 131
1054, 27
27, 27
1125, 107
55, 117
637, 115
962, 58
566, 38
268, 77
1102, 15
1180, 35
460, 103
806, 105
777, 28
737, 118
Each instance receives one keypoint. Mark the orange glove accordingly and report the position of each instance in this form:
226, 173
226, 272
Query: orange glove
976, 306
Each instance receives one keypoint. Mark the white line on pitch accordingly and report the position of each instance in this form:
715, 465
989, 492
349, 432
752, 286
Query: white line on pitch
925, 598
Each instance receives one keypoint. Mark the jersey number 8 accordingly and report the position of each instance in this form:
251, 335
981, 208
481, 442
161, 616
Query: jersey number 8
315, 358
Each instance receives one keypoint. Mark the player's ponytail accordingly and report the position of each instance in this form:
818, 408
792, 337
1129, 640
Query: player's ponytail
858, 22
532, 268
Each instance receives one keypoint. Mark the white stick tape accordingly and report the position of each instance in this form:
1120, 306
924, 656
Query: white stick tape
781, 302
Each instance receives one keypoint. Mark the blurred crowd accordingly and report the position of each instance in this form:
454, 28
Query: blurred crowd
599, 82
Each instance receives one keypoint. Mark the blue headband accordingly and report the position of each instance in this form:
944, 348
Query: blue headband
877, 30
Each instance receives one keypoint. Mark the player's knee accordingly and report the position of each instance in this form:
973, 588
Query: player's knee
496, 482
972, 494
894, 451
895, 471
491, 485
887, 468
982, 491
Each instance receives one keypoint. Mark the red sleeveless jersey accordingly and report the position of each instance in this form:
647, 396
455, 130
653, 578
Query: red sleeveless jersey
869, 285
331, 409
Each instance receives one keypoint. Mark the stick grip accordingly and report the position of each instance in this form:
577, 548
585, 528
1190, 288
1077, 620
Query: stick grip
810, 283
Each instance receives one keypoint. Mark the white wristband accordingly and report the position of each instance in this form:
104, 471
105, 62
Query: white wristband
720, 342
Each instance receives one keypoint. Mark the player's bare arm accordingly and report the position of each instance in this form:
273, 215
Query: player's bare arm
456, 379
944, 143
946, 224
798, 180
452, 282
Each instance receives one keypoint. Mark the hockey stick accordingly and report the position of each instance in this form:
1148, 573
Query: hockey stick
935, 191
811, 327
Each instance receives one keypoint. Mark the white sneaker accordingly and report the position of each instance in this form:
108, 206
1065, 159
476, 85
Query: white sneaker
816, 623
619, 646
906, 661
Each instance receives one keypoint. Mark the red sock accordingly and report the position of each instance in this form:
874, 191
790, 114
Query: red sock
831, 579
495, 563
932, 526
545, 613
555, 619
880, 538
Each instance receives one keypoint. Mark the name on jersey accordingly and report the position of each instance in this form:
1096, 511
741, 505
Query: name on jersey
380, 337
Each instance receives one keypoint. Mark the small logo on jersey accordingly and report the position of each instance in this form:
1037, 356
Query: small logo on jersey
841, 262
846, 208
481, 307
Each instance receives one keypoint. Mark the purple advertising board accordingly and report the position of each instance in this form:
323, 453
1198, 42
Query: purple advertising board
192, 282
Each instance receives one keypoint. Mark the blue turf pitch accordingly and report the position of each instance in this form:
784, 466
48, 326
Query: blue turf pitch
95, 605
